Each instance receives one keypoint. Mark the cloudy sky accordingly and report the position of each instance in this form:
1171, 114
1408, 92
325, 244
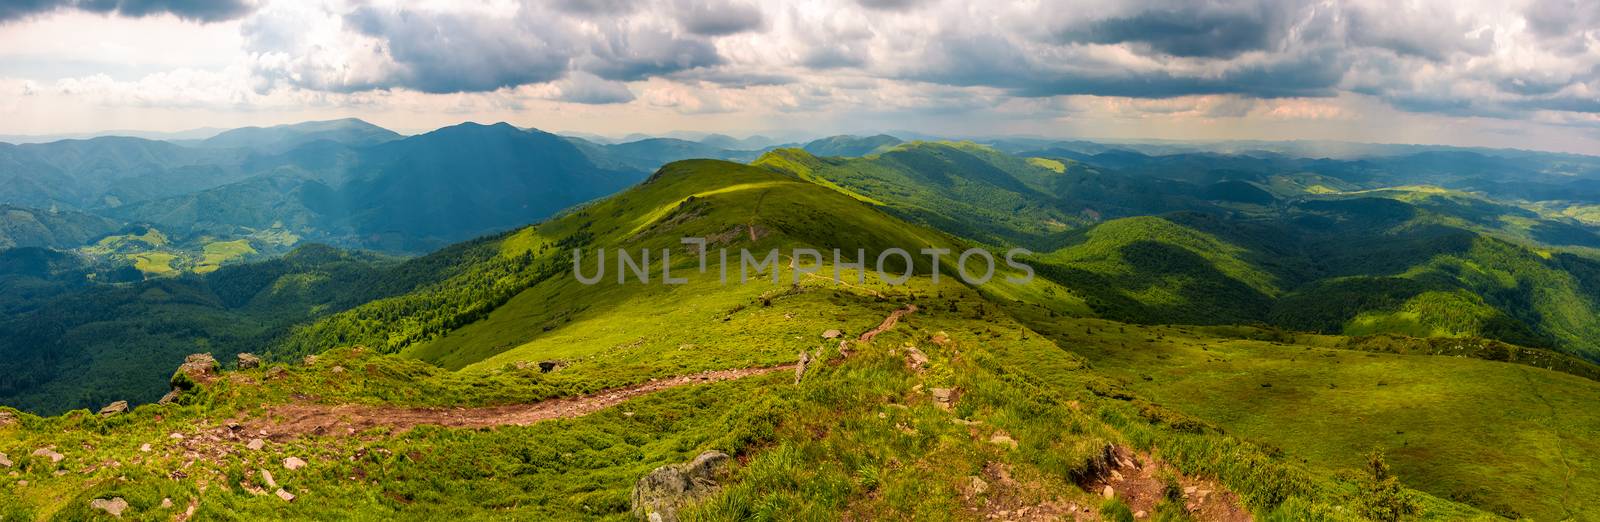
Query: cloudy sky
1514, 73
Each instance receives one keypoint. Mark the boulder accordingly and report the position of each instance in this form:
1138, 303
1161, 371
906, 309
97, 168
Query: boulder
170, 397
550, 366
658, 495
114, 408
114, 506
49, 454
276, 372
248, 361
7, 419
197, 368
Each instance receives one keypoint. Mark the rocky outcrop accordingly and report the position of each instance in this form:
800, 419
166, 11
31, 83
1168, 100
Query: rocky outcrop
659, 495
7, 419
170, 397
197, 369
114, 408
248, 361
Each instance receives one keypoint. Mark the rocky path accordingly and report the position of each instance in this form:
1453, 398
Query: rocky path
294, 420
888, 322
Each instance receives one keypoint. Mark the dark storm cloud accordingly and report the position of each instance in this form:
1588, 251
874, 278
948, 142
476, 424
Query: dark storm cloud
890, 5
596, 7
718, 17
1189, 29
443, 53
632, 54
198, 10
997, 62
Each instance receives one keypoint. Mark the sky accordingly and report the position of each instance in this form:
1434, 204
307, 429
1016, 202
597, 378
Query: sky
1511, 73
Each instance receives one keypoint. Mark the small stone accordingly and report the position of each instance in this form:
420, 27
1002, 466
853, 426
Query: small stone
1003, 439
166, 503
256, 444
276, 372
266, 478
1190, 490
943, 394
7, 418
293, 463
170, 397
1139, 514
310, 360
144, 448
1108, 492
5, 462
976, 485
49, 454
175, 436
248, 361
114, 408
114, 506
285, 495
1116, 476
336, 369
831, 334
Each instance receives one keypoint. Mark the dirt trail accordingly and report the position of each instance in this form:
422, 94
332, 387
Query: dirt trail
888, 322
1134, 478
293, 420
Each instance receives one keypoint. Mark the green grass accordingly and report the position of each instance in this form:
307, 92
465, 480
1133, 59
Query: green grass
1501, 436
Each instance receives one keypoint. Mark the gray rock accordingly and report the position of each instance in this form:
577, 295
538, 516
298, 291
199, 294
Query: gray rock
248, 361
49, 454
114, 408
659, 495
267, 479
285, 495
114, 506
293, 463
256, 444
800, 369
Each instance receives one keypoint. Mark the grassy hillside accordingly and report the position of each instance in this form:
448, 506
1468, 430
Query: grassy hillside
1496, 435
